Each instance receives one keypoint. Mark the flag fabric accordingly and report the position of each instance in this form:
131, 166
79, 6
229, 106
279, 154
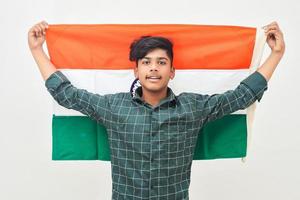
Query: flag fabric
208, 59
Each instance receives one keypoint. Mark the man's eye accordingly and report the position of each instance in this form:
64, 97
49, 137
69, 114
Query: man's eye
162, 63
145, 62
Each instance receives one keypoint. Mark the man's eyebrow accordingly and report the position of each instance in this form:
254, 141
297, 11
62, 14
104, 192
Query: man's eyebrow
160, 58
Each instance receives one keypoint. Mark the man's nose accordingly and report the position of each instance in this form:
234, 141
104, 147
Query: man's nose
153, 67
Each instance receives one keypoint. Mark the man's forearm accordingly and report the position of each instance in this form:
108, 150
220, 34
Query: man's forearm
45, 66
270, 64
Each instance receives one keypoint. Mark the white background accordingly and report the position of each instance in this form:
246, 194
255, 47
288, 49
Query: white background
26, 168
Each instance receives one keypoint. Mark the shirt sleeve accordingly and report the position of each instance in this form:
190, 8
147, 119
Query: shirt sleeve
65, 94
247, 92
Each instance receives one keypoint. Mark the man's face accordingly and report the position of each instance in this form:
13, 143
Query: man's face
154, 71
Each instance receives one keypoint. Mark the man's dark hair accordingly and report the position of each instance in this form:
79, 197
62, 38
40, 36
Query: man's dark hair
141, 47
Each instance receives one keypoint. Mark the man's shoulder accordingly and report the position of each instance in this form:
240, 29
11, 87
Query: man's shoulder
192, 98
119, 96
189, 96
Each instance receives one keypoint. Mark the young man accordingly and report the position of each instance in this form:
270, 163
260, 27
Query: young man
152, 144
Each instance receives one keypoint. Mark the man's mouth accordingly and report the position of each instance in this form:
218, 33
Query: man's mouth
154, 78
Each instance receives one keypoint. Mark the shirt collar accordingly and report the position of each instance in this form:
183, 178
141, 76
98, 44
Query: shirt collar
170, 99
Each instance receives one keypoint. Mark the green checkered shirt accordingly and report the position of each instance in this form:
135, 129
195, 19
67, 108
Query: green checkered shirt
152, 147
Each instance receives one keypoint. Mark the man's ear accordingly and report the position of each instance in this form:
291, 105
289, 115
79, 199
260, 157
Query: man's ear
136, 72
172, 75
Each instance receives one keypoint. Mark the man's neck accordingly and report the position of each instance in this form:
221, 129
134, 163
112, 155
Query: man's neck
153, 98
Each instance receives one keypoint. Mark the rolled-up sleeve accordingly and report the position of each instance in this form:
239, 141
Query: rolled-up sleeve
247, 92
257, 84
65, 94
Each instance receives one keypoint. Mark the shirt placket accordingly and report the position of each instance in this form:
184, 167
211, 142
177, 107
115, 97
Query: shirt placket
154, 153
153, 139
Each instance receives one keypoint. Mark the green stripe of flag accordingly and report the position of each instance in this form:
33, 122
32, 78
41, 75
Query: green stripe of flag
222, 138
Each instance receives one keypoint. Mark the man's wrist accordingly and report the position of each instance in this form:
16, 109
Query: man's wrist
37, 50
277, 54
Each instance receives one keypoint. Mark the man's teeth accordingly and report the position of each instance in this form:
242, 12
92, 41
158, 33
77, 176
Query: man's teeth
153, 77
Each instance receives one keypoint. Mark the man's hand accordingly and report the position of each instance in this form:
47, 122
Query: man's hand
36, 38
276, 43
275, 38
36, 35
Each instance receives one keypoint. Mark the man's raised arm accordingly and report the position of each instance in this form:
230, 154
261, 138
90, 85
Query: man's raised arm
250, 89
36, 39
93, 105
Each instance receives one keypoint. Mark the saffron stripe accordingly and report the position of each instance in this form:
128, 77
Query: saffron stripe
195, 46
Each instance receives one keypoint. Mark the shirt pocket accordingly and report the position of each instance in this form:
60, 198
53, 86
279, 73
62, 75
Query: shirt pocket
174, 139
177, 142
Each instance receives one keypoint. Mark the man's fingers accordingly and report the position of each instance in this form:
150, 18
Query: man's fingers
45, 24
42, 28
274, 31
271, 31
274, 34
37, 30
273, 25
32, 31
38, 26
277, 35
40, 31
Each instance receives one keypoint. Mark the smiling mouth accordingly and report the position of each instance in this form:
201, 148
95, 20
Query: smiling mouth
153, 77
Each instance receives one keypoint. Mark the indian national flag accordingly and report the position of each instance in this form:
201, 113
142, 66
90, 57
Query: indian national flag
208, 59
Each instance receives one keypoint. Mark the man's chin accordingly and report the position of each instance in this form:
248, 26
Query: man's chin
155, 89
